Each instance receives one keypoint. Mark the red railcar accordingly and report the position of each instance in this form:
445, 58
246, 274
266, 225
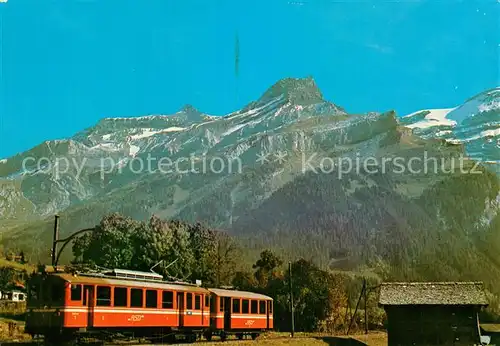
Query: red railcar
62, 306
239, 313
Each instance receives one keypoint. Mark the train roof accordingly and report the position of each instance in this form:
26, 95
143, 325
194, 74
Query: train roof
83, 279
238, 294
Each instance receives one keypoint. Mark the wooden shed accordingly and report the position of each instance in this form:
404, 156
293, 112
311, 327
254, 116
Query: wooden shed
432, 313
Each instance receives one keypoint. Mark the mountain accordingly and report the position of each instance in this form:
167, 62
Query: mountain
290, 170
475, 124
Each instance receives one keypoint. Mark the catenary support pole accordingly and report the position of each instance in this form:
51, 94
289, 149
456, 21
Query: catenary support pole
55, 239
291, 297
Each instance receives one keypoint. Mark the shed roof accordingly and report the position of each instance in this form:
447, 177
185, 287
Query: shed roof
432, 293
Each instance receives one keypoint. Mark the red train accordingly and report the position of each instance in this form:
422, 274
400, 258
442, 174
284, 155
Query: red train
65, 306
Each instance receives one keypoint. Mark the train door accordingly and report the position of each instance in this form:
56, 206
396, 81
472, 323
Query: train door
267, 315
270, 320
88, 301
227, 312
180, 306
198, 307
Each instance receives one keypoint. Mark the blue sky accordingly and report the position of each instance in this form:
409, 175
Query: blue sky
66, 64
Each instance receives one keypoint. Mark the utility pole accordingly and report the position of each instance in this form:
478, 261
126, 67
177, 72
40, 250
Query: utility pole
366, 313
291, 297
357, 305
55, 239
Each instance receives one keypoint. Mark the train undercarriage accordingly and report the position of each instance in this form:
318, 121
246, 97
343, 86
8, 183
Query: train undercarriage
154, 335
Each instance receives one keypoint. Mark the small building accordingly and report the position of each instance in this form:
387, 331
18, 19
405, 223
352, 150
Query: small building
433, 313
13, 296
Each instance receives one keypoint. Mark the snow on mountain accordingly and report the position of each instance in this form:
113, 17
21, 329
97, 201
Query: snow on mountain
290, 116
433, 117
474, 124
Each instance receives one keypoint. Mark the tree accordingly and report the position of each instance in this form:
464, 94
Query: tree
203, 242
183, 250
7, 277
225, 259
266, 267
110, 245
318, 295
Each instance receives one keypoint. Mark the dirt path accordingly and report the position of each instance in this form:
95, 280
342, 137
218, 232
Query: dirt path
372, 339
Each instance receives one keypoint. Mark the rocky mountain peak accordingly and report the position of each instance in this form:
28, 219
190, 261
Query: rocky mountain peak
300, 91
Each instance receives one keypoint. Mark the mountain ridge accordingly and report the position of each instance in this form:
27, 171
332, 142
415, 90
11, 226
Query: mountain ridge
281, 173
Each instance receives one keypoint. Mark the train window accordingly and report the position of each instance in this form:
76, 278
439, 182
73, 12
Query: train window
236, 305
103, 296
151, 299
120, 296
197, 302
262, 307
167, 300
245, 306
221, 306
207, 301
76, 292
136, 298
270, 307
254, 307
189, 301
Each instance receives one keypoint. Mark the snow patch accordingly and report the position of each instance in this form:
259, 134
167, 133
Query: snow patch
233, 129
442, 133
105, 146
436, 117
487, 107
151, 132
490, 133
3, 160
254, 111
139, 118
487, 133
134, 149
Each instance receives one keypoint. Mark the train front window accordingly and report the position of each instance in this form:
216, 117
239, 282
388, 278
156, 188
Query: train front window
254, 307
167, 300
189, 299
136, 298
103, 296
151, 299
76, 292
207, 301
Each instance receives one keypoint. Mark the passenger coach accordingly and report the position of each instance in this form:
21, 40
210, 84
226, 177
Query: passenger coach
239, 313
